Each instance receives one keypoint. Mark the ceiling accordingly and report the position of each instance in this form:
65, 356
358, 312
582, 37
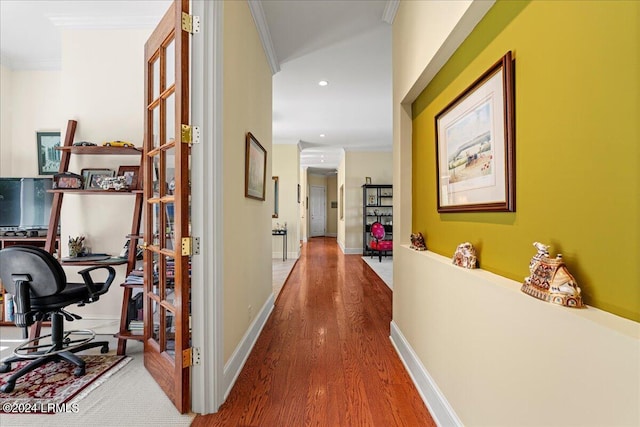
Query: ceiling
346, 43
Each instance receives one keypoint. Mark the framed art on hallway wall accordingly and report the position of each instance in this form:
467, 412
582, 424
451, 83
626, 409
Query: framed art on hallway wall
255, 171
475, 157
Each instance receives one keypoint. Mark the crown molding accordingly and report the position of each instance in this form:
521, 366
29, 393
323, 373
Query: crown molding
390, 11
265, 36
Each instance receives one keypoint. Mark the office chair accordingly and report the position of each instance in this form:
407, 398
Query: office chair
40, 292
378, 244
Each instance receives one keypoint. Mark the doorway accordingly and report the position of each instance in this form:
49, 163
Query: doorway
318, 210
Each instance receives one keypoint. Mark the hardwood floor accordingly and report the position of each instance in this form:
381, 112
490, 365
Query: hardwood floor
324, 357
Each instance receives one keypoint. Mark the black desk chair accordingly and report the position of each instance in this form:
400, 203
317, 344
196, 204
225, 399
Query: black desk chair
41, 291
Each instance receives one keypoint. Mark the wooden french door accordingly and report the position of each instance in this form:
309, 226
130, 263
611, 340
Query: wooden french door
166, 192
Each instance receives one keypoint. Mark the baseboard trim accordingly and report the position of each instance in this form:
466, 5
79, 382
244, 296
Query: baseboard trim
235, 364
353, 251
442, 413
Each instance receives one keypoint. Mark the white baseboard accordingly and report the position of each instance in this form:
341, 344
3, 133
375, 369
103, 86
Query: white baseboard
239, 357
331, 234
349, 251
442, 413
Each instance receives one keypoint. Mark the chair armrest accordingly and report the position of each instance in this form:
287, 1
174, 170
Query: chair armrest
86, 276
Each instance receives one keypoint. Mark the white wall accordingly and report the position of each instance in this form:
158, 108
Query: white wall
6, 113
102, 82
480, 351
358, 166
30, 103
502, 358
286, 166
247, 237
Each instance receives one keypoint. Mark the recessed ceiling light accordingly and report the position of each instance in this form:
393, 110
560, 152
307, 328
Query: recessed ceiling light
322, 135
323, 82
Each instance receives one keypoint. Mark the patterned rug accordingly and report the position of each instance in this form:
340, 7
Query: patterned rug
53, 388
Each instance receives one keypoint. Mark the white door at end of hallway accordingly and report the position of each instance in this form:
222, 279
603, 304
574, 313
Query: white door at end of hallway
317, 207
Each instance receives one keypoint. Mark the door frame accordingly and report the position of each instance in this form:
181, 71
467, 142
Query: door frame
324, 216
208, 387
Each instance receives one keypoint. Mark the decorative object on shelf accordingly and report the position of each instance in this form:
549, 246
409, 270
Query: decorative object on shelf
372, 199
48, 156
465, 256
367, 180
76, 246
95, 177
255, 169
118, 144
131, 175
550, 280
475, 133
417, 242
117, 183
67, 180
84, 144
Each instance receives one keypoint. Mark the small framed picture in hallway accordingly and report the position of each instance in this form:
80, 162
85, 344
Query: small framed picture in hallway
255, 169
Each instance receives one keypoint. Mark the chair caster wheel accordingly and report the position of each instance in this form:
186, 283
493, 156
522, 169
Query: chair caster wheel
5, 367
8, 387
78, 372
104, 349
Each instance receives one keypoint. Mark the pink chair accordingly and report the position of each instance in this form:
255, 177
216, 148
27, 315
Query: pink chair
378, 244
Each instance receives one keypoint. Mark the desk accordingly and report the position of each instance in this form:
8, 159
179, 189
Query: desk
282, 233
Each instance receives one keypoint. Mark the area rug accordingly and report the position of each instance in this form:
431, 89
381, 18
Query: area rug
53, 388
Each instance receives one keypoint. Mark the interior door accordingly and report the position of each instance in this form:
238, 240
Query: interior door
166, 193
318, 209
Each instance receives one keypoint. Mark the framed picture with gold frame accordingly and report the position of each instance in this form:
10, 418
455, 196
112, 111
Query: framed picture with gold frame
255, 168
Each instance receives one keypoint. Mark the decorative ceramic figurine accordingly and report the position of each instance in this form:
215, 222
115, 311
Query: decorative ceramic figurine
465, 256
550, 280
76, 246
417, 242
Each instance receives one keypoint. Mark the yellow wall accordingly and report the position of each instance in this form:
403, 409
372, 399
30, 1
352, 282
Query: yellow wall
359, 165
332, 213
577, 137
247, 222
286, 166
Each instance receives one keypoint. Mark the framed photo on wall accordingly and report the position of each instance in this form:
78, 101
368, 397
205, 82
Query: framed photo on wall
48, 156
475, 145
255, 168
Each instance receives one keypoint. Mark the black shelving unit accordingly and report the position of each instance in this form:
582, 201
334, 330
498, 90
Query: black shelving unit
377, 205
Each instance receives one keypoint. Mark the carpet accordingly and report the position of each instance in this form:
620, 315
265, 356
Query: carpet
53, 388
384, 268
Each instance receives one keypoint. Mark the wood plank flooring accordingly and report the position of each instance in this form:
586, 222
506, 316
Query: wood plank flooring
324, 357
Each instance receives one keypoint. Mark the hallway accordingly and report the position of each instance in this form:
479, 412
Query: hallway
324, 357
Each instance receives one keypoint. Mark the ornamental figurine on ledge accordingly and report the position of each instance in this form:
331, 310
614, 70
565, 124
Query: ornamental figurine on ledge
417, 242
465, 256
550, 280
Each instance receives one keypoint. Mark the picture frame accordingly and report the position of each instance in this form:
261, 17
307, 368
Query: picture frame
48, 156
94, 177
276, 197
298, 193
255, 168
132, 176
367, 180
86, 174
475, 145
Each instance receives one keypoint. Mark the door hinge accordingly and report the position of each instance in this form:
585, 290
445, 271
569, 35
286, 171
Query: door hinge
190, 23
190, 357
190, 134
190, 246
